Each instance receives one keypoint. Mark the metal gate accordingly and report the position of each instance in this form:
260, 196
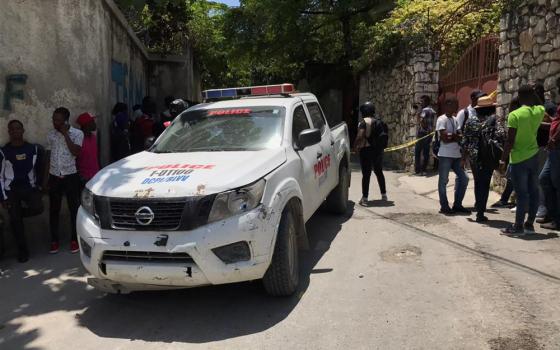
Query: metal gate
477, 69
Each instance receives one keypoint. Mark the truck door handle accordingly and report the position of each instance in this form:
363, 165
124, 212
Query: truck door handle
332, 142
319, 155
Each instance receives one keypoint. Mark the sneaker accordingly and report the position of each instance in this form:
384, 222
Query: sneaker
544, 220
54, 247
513, 210
481, 218
499, 204
23, 257
529, 228
74, 247
363, 202
446, 211
513, 231
384, 197
541, 213
461, 209
551, 226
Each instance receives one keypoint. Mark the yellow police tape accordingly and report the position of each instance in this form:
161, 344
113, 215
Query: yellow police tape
408, 144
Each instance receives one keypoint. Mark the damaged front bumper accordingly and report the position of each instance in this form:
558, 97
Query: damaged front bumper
234, 250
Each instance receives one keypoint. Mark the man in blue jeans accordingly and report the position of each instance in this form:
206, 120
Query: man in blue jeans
450, 158
550, 177
426, 118
522, 151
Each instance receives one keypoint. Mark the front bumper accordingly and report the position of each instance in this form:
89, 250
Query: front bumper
258, 228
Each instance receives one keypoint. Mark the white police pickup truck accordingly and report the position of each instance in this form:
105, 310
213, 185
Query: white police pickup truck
222, 196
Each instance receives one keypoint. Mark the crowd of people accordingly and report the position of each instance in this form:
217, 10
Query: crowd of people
475, 138
69, 160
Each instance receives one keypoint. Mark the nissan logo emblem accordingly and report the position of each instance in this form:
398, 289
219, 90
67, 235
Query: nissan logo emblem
144, 216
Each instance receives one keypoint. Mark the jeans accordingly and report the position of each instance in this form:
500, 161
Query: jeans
422, 153
23, 203
68, 186
509, 187
525, 176
550, 183
447, 164
482, 179
371, 158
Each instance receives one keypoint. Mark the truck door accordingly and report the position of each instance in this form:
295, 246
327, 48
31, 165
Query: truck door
326, 165
308, 158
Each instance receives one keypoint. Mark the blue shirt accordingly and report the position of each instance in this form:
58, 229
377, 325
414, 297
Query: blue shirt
20, 167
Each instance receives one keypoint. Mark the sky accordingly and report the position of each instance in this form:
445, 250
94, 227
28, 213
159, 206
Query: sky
229, 2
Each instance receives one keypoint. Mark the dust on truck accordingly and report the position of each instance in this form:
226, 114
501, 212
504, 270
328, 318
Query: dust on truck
222, 196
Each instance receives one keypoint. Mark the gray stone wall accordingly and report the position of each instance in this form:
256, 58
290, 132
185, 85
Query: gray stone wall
529, 50
394, 90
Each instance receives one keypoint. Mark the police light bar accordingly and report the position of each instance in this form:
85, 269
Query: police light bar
230, 93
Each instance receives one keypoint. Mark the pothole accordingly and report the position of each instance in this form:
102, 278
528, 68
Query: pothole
423, 219
523, 340
404, 254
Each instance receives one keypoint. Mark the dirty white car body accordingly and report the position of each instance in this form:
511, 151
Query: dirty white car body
165, 220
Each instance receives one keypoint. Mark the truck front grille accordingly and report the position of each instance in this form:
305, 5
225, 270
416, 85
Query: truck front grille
117, 255
167, 214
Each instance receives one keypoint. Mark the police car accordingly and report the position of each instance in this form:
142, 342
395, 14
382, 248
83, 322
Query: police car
222, 196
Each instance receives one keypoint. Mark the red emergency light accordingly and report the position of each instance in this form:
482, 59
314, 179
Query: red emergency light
264, 90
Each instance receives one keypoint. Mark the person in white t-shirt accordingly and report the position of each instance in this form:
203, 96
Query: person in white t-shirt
450, 158
466, 113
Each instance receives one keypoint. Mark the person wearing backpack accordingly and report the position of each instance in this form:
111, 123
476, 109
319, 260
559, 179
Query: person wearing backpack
483, 141
372, 139
470, 110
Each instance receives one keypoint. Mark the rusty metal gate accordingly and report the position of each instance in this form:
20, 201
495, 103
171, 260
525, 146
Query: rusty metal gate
477, 69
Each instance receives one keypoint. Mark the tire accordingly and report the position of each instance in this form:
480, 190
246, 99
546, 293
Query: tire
337, 201
282, 276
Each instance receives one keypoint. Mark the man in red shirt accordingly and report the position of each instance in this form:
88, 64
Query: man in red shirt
88, 160
550, 176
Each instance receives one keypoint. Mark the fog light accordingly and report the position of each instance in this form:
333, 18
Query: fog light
86, 249
234, 252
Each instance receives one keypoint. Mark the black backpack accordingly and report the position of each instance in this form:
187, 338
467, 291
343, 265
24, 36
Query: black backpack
490, 148
379, 138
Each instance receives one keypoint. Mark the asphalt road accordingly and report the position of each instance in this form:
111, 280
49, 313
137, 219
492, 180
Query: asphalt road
395, 275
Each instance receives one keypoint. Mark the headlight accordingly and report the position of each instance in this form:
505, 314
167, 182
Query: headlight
238, 201
88, 201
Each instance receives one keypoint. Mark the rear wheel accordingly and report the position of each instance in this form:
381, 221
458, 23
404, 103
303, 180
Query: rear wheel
337, 201
282, 276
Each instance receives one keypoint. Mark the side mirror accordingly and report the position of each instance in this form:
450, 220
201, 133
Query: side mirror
149, 142
308, 138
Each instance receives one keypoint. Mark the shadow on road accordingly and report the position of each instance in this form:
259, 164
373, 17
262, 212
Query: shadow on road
208, 314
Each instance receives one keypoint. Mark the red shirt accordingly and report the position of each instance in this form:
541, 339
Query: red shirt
88, 163
555, 123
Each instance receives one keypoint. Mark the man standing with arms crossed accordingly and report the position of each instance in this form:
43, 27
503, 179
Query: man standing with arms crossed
64, 144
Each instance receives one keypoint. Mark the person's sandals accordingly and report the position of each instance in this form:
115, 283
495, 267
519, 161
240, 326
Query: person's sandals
513, 231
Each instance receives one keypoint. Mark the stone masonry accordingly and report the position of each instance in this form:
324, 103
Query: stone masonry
394, 90
529, 50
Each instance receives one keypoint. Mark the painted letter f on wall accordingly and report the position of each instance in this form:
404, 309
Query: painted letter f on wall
14, 89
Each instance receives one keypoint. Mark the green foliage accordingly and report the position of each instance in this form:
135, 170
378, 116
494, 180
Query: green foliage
447, 25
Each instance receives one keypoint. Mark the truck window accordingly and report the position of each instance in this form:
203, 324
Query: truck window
317, 116
300, 123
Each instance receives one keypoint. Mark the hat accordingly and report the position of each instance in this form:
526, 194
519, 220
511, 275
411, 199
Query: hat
485, 101
84, 119
477, 94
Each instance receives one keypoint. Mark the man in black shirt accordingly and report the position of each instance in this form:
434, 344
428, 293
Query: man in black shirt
19, 181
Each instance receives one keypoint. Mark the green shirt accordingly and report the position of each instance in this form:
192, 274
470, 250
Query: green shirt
527, 121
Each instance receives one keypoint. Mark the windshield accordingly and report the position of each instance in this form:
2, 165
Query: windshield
224, 129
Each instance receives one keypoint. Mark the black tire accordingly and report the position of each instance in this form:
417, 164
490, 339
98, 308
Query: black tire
337, 201
282, 276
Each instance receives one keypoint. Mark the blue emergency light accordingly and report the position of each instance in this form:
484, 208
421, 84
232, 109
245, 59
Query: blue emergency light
230, 93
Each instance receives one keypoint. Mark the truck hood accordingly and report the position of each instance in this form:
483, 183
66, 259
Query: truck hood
168, 175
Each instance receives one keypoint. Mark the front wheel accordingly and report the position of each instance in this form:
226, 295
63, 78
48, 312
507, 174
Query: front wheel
282, 276
337, 201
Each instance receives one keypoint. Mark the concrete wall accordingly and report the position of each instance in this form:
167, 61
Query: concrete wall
394, 90
80, 54
530, 49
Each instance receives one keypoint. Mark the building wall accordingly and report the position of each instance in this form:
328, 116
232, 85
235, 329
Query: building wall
529, 49
394, 91
80, 54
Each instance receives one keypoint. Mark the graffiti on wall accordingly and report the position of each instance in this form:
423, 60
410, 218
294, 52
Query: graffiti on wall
129, 88
14, 89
